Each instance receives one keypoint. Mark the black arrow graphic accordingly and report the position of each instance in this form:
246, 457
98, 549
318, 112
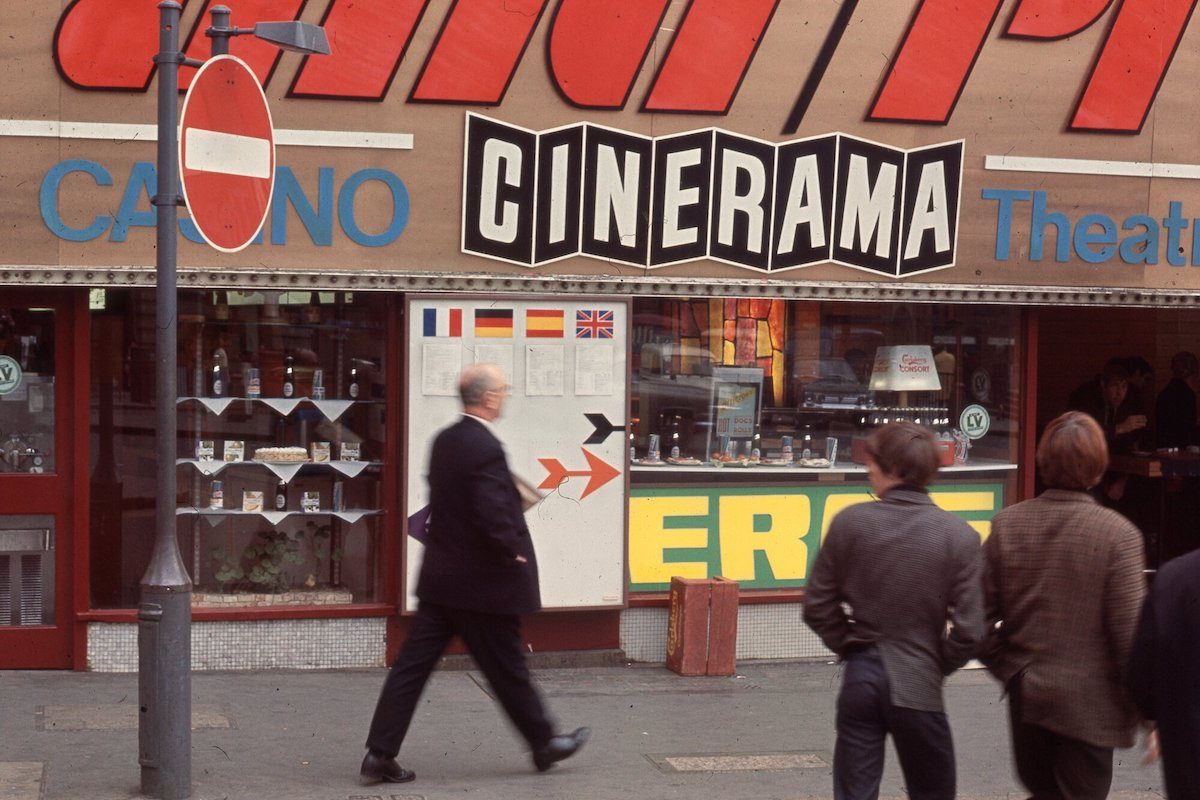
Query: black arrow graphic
604, 428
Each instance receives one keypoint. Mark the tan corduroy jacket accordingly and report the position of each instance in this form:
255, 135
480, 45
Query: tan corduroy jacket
1063, 579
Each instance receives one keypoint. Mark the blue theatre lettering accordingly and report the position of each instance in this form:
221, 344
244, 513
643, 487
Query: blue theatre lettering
135, 211
1095, 238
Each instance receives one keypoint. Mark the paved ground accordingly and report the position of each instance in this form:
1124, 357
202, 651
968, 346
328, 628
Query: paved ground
766, 733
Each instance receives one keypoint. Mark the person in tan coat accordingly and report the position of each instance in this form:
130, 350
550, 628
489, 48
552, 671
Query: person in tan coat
1063, 588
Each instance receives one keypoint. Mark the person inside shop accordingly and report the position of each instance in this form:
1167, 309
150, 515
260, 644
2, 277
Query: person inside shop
1115, 409
478, 575
910, 574
1141, 382
1175, 424
1112, 405
1175, 408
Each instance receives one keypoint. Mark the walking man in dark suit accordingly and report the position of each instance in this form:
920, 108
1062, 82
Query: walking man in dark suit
478, 575
910, 574
1164, 672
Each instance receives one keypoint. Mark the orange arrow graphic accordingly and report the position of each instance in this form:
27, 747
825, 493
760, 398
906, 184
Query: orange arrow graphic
598, 474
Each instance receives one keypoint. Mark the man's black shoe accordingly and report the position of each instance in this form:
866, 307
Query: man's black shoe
560, 747
378, 768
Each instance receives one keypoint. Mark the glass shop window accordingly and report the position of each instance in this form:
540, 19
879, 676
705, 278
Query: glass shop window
775, 383
281, 420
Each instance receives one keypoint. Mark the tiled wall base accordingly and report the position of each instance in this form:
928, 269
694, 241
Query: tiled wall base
317, 597
764, 631
267, 644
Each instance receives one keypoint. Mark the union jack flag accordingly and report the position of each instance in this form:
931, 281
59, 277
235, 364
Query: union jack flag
592, 324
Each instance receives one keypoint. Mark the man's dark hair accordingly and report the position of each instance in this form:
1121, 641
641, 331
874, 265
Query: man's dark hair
1114, 370
1136, 365
1184, 364
906, 451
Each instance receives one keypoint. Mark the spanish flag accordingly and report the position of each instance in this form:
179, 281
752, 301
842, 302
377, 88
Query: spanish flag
544, 323
493, 323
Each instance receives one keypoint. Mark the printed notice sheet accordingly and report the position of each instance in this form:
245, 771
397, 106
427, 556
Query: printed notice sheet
441, 364
593, 369
499, 354
544, 370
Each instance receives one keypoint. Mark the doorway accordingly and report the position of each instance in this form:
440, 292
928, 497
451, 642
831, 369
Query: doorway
38, 485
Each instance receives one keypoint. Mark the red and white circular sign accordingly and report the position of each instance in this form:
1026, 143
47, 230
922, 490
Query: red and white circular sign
227, 153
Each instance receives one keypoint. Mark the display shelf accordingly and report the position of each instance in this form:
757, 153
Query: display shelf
284, 470
275, 517
332, 410
975, 465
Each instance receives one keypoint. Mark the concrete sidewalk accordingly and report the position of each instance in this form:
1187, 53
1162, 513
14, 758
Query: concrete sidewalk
766, 733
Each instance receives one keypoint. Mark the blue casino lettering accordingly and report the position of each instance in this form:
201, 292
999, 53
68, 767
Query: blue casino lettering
134, 210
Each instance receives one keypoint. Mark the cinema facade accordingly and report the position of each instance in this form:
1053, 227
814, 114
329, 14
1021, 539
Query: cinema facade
787, 224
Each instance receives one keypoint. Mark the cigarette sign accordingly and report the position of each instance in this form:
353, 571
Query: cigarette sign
227, 153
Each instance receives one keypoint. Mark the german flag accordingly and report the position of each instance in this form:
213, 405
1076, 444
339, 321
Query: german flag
493, 323
544, 323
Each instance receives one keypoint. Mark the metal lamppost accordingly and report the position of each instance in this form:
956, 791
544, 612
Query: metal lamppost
165, 612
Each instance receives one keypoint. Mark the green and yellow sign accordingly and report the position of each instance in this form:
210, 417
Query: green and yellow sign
763, 537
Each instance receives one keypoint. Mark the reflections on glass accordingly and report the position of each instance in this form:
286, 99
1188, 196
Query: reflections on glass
281, 441
26, 389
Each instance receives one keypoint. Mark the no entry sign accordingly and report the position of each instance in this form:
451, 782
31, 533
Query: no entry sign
227, 153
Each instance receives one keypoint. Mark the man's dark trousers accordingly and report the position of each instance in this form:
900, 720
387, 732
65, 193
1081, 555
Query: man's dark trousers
865, 716
1055, 767
494, 641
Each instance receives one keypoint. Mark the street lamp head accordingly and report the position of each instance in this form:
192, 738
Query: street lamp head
298, 37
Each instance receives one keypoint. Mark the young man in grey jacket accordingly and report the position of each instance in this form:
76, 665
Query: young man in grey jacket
896, 593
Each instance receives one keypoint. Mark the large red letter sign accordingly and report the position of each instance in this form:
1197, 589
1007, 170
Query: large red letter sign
597, 47
1132, 64
929, 72
477, 51
1054, 19
93, 52
710, 55
368, 39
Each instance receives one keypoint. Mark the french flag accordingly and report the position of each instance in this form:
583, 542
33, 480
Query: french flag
443, 322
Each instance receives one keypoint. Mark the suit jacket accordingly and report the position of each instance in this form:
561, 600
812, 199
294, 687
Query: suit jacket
476, 528
906, 568
1092, 403
1063, 581
1164, 672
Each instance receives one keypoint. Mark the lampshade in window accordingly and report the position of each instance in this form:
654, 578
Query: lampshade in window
904, 368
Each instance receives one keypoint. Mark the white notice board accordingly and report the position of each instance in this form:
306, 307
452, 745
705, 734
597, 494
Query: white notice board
566, 360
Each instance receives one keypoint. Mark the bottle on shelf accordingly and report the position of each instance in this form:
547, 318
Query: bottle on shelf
756, 447
806, 450
219, 386
289, 377
216, 495
281, 496
675, 444
352, 390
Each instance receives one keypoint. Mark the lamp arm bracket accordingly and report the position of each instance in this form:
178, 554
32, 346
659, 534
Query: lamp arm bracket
176, 58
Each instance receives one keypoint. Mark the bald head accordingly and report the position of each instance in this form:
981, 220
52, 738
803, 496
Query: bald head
483, 388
